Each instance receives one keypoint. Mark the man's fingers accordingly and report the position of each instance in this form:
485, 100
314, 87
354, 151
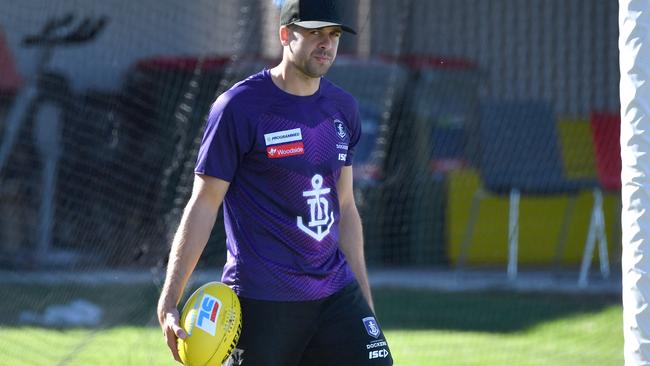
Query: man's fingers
172, 331
173, 323
180, 333
173, 345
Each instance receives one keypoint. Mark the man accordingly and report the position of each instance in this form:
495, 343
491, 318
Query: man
277, 151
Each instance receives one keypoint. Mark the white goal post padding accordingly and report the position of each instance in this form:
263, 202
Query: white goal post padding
634, 46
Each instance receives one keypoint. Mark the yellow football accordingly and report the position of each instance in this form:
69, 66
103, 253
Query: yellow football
212, 320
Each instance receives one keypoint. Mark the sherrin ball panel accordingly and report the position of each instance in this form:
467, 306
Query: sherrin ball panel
212, 320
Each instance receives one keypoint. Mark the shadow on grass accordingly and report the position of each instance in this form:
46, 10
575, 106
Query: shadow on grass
499, 312
496, 312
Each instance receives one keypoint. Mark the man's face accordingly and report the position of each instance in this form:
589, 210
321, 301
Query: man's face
313, 51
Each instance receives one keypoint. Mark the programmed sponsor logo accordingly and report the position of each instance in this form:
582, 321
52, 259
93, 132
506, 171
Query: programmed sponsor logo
208, 314
281, 137
342, 146
283, 151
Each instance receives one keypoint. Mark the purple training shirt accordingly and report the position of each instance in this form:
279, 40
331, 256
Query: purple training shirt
282, 155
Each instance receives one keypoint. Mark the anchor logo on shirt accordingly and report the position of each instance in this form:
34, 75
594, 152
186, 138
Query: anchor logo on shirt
320, 219
340, 128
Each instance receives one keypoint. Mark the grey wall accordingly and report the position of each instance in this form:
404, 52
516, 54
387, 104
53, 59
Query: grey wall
137, 29
564, 51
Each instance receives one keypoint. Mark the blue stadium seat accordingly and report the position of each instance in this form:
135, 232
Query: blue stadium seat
378, 87
402, 212
443, 101
519, 155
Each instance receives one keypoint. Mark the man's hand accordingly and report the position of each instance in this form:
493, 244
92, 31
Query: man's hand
170, 324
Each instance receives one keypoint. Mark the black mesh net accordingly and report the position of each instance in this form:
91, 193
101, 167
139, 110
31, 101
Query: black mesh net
472, 111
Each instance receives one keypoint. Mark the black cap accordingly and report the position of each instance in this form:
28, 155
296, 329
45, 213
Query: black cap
314, 14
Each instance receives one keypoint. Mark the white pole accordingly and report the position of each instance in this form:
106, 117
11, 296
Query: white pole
634, 46
47, 129
513, 233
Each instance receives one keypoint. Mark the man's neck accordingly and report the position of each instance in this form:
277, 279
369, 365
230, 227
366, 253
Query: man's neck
286, 77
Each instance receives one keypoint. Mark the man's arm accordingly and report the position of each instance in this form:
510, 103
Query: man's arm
189, 241
351, 233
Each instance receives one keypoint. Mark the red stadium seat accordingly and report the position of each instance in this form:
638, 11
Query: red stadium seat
10, 80
606, 132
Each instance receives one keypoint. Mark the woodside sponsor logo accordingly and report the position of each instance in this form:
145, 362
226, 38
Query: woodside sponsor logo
283, 151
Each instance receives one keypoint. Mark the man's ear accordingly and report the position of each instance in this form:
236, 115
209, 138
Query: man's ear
284, 35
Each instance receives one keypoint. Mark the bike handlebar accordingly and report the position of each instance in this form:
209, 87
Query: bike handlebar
50, 35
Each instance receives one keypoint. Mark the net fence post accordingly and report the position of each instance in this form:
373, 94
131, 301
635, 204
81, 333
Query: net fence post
634, 22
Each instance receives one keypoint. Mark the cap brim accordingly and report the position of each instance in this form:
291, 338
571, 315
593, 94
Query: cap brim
313, 24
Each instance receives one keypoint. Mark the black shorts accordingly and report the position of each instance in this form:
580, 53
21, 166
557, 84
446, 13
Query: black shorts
339, 330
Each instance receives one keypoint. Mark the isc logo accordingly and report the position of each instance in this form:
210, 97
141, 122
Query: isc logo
208, 314
342, 157
382, 353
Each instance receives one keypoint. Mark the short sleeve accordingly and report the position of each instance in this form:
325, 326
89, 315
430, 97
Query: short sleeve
355, 133
226, 140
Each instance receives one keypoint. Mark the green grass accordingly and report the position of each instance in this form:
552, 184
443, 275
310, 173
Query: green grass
423, 328
594, 339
